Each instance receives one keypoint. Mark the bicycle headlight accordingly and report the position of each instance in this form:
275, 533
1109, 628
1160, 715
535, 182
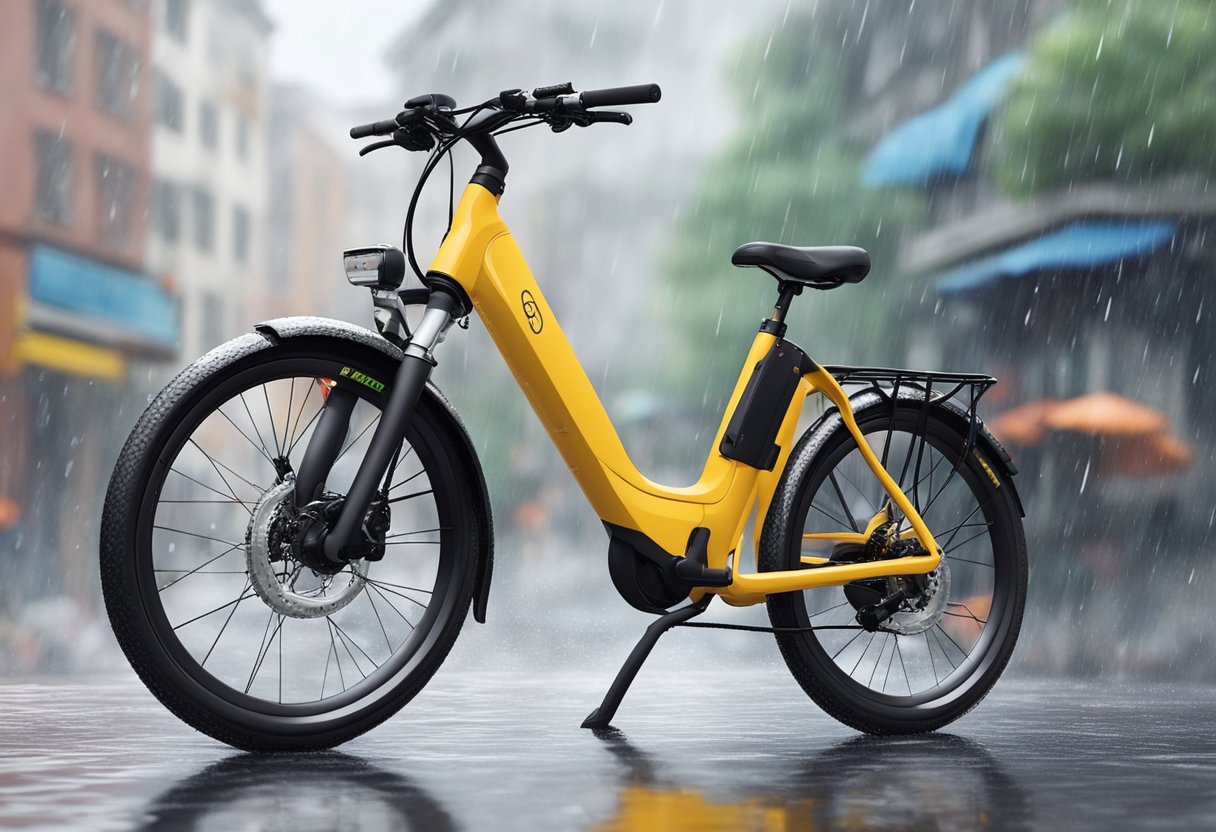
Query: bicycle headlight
375, 267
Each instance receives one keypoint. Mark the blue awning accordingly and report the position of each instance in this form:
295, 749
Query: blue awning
940, 142
132, 302
1081, 245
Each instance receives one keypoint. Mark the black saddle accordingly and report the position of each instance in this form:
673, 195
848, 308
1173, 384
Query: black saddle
820, 267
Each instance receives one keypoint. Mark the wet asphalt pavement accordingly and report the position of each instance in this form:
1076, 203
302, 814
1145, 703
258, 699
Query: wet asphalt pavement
740, 750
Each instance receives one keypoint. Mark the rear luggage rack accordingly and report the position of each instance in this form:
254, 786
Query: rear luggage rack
961, 390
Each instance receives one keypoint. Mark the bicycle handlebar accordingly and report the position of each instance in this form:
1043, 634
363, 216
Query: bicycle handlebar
376, 128
620, 96
431, 122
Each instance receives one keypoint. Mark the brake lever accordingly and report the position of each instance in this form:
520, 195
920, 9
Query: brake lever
377, 146
603, 117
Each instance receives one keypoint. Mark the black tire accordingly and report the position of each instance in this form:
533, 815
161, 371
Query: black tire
812, 656
164, 655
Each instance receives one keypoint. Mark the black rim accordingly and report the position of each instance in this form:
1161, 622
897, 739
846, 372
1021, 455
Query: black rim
198, 544
959, 506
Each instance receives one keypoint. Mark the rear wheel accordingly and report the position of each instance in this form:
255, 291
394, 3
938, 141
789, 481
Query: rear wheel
210, 599
936, 657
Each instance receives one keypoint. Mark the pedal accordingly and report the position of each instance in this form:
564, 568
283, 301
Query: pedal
694, 569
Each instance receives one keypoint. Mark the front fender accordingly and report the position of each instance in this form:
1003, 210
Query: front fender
282, 329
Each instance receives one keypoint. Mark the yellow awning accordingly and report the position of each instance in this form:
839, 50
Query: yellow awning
68, 356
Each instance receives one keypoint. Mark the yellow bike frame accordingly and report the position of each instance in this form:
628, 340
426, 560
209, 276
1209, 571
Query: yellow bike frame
480, 254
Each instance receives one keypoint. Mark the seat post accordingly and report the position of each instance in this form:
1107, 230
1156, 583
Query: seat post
775, 323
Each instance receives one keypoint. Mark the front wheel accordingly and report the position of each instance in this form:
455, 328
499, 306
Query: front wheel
207, 590
945, 647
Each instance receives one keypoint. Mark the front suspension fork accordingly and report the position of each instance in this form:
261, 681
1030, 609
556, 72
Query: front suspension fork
323, 447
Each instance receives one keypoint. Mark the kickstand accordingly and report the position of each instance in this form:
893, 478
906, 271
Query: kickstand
602, 716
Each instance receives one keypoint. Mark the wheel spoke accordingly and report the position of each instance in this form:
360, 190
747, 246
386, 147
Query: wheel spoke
384, 588
342, 453
850, 641
863, 653
965, 653
391, 605
212, 490
420, 531
291, 397
264, 648
303, 432
299, 415
202, 536
412, 496
965, 560
231, 613
342, 640
980, 533
337, 656
345, 635
244, 435
274, 432
843, 502
214, 611
829, 515
197, 569
253, 422
387, 642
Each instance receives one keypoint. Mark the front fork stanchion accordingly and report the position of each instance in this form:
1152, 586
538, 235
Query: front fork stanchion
407, 387
325, 444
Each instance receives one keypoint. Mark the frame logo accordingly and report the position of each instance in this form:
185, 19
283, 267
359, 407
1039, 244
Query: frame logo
535, 322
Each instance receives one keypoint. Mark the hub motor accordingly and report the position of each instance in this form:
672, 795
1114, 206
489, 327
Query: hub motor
924, 597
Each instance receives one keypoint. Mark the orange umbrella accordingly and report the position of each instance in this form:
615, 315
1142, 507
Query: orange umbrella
10, 512
1024, 424
1158, 453
1106, 414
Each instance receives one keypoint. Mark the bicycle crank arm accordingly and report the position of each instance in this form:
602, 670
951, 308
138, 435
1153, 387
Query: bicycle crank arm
345, 540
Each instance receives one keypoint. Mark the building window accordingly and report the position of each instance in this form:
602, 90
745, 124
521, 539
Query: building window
177, 19
202, 205
242, 137
56, 45
117, 69
116, 200
54, 178
165, 209
240, 234
168, 108
214, 326
209, 124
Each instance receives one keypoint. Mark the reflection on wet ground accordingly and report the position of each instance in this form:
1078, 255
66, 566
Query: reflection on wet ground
740, 750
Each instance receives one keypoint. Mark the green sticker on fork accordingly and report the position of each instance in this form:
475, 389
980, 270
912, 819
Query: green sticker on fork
362, 378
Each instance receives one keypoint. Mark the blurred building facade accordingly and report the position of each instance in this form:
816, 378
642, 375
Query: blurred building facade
208, 213
308, 217
79, 313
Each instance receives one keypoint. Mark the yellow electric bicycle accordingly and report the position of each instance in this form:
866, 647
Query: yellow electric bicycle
298, 524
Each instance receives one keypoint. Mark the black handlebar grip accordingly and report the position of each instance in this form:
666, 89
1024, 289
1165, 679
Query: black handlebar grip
376, 128
553, 90
618, 96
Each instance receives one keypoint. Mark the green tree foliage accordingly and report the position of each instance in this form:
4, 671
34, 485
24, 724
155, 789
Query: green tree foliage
791, 175
1114, 90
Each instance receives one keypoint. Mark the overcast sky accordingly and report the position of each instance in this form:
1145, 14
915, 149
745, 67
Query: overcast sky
337, 48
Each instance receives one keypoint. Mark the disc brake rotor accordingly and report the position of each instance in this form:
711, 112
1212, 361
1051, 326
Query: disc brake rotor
288, 586
928, 606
